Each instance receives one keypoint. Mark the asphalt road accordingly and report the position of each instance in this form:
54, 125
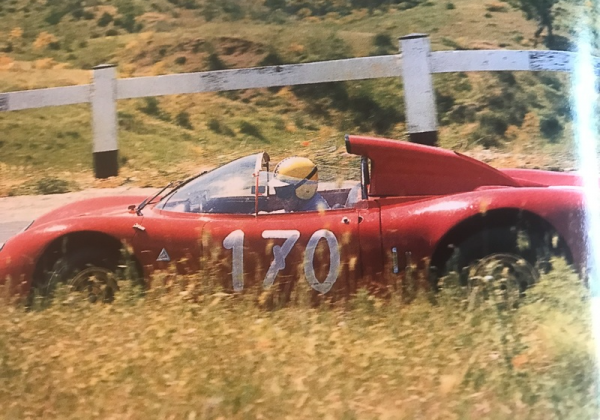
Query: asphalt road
9, 229
18, 212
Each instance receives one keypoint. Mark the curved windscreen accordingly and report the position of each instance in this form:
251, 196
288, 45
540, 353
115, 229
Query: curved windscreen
228, 189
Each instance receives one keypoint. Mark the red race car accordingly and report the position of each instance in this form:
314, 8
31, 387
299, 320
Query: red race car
416, 210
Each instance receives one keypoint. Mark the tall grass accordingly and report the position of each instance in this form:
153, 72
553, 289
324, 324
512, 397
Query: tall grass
193, 352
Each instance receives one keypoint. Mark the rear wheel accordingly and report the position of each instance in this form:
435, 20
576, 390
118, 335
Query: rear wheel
504, 277
509, 258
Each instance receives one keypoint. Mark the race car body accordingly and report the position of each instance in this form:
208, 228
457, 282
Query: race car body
416, 210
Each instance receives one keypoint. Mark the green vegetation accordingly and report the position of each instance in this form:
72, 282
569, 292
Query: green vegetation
190, 351
46, 185
541, 11
54, 43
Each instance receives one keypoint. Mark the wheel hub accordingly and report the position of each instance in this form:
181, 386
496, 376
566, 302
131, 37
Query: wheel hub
97, 283
505, 276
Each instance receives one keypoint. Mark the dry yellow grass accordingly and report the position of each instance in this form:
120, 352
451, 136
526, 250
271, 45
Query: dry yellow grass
221, 356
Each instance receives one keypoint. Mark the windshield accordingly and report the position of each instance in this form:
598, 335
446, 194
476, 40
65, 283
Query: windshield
235, 180
246, 186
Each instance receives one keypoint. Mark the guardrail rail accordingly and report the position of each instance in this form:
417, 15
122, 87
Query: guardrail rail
415, 65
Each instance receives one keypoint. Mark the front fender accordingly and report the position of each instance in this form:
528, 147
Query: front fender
21, 253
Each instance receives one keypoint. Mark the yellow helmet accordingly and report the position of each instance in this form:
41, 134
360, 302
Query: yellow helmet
301, 175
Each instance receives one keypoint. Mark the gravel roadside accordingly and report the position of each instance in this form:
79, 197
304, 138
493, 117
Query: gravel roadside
17, 212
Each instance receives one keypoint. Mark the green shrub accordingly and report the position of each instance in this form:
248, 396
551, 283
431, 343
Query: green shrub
449, 42
231, 8
494, 123
383, 40
250, 129
369, 115
219, 127
152, 108
444, 102
460, 114
127, 120
52, 185
186, 4
128, 23
77, 13
209, 12
367, 108
55, 16
518, 37
329, 47
182, 119
511, 101
450, 6
279, 123
507, 78
492, 126
550, 80
271, 59
105, 19
383, 44
551, 128
129, 7
214, 62
496, 7
45, 185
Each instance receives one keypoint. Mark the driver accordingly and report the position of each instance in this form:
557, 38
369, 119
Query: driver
297, 180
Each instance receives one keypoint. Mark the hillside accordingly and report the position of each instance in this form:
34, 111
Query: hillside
55, 43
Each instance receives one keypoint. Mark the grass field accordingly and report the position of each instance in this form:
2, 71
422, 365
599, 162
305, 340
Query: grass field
43, 46
177, 353
449, 356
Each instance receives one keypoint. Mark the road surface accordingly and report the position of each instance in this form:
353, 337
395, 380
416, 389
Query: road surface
18, 212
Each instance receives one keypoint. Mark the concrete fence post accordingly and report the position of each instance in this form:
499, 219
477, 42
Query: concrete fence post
104, 121
419, 95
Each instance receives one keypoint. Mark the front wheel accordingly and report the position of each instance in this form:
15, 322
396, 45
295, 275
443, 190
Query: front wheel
97, 284
90, 272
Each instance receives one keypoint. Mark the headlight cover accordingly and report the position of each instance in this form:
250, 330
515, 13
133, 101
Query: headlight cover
27, 227
21, 231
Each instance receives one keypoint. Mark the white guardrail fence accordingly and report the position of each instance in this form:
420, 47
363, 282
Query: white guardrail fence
415, 65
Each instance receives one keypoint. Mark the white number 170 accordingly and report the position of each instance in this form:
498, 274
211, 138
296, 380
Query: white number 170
235, 242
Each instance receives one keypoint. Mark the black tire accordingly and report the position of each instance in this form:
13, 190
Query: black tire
522, 251
89, 271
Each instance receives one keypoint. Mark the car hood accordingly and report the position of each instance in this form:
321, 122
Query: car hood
100, 206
